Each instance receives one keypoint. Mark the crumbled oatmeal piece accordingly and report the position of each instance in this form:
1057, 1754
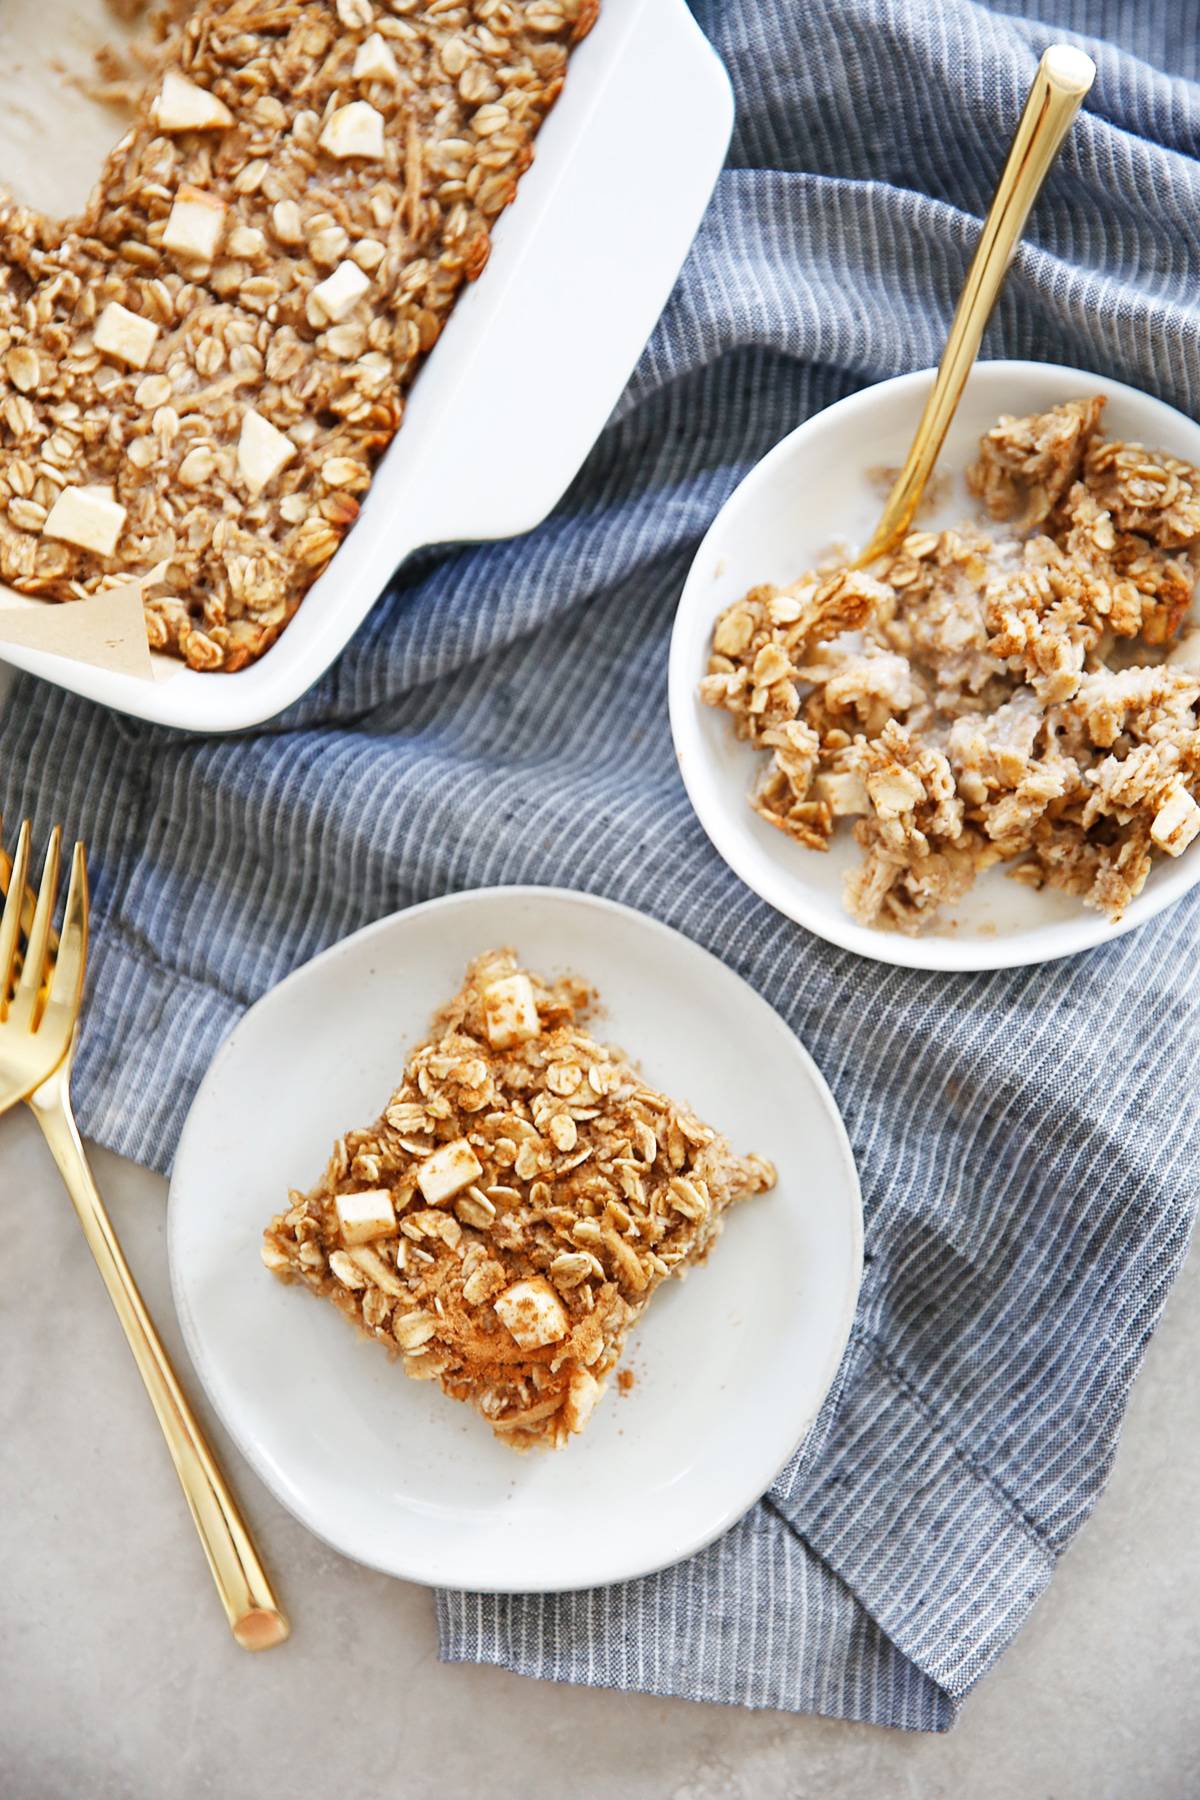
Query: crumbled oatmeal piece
512, 1211
275, 244
1025, 466
1152, 495
976, 699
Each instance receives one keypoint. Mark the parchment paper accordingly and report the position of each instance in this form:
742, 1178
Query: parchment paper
53, 139
108, 632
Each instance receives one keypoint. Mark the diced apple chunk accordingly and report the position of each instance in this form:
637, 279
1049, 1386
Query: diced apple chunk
125, 335
87, 517
844, 794
262, 451
1177, 820
582, 1395
340, 293
365, 1216
374, 61
448, 1171
533, 1313
510, 1014
180, 105
195, 225
354, 130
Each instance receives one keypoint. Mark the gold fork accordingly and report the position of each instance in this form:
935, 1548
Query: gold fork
39, 1016
1059, 88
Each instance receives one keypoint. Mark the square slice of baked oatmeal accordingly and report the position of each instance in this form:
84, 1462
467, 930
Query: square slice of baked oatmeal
512, 1211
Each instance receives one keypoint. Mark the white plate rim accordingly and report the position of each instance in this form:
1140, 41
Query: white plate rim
931, 952
602, 1573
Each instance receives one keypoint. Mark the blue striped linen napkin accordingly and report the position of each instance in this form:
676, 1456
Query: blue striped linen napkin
1026, 1140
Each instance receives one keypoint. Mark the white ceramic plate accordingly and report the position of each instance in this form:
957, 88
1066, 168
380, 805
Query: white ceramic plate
731, 1364
581, 267
812, 492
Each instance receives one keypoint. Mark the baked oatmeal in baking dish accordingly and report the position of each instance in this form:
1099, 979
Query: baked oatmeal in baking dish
199, 373
1021, 689
511, 1213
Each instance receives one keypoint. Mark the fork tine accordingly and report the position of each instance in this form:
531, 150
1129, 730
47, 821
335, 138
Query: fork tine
10, 918
38, 942
29, 899
66, 981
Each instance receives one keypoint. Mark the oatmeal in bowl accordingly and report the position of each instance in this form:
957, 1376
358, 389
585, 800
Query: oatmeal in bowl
1012, 693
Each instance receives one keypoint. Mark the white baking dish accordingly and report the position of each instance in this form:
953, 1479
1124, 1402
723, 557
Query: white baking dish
531, 363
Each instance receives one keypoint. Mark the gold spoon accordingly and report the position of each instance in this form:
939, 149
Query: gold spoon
1063, 77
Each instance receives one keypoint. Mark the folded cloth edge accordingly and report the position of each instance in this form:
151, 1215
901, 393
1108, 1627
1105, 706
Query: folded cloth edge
877, 1433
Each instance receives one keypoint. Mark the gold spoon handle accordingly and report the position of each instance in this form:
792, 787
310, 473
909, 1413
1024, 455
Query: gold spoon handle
254, 1614
1063, 77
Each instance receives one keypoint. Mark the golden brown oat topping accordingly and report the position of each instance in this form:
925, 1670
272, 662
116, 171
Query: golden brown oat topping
209, 362
979, 707
510, 1214
1025, 466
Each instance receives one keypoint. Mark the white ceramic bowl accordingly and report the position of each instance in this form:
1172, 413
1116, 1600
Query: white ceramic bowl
812, 492
581, 267
731, 1364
